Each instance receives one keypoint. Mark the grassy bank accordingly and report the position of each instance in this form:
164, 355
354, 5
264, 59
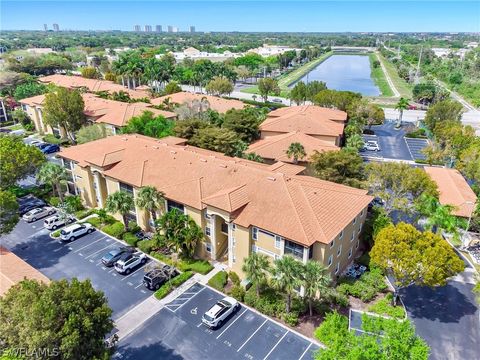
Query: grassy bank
404, 88
378, 77
291, 77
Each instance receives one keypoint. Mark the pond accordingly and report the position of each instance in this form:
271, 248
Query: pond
345, 72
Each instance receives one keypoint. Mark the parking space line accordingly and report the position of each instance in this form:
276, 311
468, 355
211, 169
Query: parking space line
240, 348
136, 287
126, 277
278, 342
191, 298
83, 247
233, 322
301, 357
96, 252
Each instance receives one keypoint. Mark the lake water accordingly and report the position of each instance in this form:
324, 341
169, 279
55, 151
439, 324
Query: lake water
345, 72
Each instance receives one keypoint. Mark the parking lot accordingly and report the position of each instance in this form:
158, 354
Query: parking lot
415, 146
177, 332
80, 259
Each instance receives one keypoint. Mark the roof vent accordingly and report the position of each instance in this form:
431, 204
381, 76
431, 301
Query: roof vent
124, 139
156, 147
271, 178
173, 152
223, 166
204, 160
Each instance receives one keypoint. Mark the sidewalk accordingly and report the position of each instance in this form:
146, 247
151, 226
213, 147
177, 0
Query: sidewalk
136, 316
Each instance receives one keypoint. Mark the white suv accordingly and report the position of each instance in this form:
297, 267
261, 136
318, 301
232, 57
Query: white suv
54, 222
74, 231
219, 312
129, 261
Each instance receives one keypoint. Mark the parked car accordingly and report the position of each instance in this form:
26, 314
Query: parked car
29, 202
276, 100
371, 146
219, 312
36, 143
157, 277
128, 262
113, 256
38, 213
75, 231
5, 131
50, 149
54, 222
41, 145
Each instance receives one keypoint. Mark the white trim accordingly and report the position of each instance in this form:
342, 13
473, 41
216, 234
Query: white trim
330, 261
339, 250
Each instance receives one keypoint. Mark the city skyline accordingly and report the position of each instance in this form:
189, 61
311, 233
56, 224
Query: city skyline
284, 16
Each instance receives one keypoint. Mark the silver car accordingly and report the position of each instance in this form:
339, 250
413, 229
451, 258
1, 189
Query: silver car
38, 213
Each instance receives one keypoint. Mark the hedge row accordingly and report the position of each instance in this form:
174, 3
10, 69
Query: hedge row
168, 287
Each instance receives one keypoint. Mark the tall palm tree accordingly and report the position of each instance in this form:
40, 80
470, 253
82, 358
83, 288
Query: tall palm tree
439, 217
256, 267
297, 151
287, 276
401, 105
54, 175
150, 199
120, 202
316, 280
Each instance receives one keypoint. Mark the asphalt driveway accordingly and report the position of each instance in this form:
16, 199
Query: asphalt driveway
392, 142
80, 259
177, 332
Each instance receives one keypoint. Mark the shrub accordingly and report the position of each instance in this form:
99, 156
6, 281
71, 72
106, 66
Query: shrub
146, 245
52, 139
162, 257
218, 281
234, 278
417, 134
133, 227
81, 214
95, 221
339, 299
237, 292
56, 234
74, 203
54, 201
364, 260
199, 266
130, 238
365, 288
116, 229
175, 282
290, 318
384, 307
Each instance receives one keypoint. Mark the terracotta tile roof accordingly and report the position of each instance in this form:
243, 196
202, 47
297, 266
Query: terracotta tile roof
111, 112
93, 85
313, 111
287, 169
275, 147
13, 270
299, 208
216, 103
454, 190
308, 119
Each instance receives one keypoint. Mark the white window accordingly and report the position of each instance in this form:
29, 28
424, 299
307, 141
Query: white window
341, 235
278, 242
350, 253
332, 243
234, 259
337, 268
254, 233
339, 251
207, 216
358, 244
208, 247
233, 227
207, 231
254, 249
352, 237
330, 259
360, 228
361, 214
354, 220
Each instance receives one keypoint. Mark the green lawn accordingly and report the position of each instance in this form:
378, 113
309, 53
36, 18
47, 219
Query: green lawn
379, 78
404, 88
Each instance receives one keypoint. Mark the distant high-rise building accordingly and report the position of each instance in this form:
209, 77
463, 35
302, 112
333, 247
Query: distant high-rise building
192, 29
148, 28
170, 28
56, 27
137, 28
45, 27
158, 28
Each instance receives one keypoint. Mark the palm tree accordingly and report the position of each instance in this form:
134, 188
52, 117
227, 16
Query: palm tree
297, 151
400, 106
439, 217
287, 274
256, 267
193, 234
54, 175
120, 202
254, 157
315, 280
150, 199
355, 142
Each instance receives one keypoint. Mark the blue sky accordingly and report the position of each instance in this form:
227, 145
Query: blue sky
310, 16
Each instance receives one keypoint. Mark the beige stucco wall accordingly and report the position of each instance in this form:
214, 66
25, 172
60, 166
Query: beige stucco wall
84, 182
242, 249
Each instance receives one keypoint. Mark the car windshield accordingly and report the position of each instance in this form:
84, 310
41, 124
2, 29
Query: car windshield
208, 317
112, 254
63, 232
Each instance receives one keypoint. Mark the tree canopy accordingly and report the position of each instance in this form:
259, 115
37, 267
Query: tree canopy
67, 317
91, 133
8, 212
343, 167
268, 86
149, 125
414, 257
219, 85
443, 111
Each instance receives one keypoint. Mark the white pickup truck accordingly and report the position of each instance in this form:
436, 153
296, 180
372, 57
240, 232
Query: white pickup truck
130, 261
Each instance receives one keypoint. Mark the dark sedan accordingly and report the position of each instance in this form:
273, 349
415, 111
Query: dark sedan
50, 149
112, 257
